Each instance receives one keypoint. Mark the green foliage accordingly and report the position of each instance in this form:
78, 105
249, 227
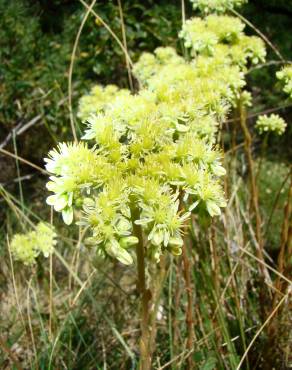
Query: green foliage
33, 67
273, 19
272, 186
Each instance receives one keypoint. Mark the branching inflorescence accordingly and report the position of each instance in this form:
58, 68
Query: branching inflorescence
157, 147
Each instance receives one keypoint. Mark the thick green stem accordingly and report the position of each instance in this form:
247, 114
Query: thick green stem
145, 361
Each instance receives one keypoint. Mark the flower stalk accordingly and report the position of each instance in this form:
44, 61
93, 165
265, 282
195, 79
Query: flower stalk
145, 296
190, 300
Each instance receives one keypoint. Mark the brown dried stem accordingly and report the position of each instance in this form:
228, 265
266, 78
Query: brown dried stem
254, 190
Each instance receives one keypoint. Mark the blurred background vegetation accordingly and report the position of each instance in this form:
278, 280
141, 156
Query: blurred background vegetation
36, 41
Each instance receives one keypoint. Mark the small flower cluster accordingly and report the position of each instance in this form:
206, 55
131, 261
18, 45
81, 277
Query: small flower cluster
97, 99
222, 35
285, 75
75, 169
272, 123
27, 247
149, 64
190, 91
218, 6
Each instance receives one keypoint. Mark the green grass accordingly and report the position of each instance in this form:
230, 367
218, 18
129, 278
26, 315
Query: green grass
100, 330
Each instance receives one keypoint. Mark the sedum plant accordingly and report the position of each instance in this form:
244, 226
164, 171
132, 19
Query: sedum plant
273, 123
146, 163
150, 161
162, 138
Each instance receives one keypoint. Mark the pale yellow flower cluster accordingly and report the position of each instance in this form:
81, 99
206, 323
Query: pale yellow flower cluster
272, 123
27, 247
154, 152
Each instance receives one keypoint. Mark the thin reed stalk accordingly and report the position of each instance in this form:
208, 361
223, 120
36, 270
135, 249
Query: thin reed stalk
284, 255
123, 29
260, 330
76, 42
254, 190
